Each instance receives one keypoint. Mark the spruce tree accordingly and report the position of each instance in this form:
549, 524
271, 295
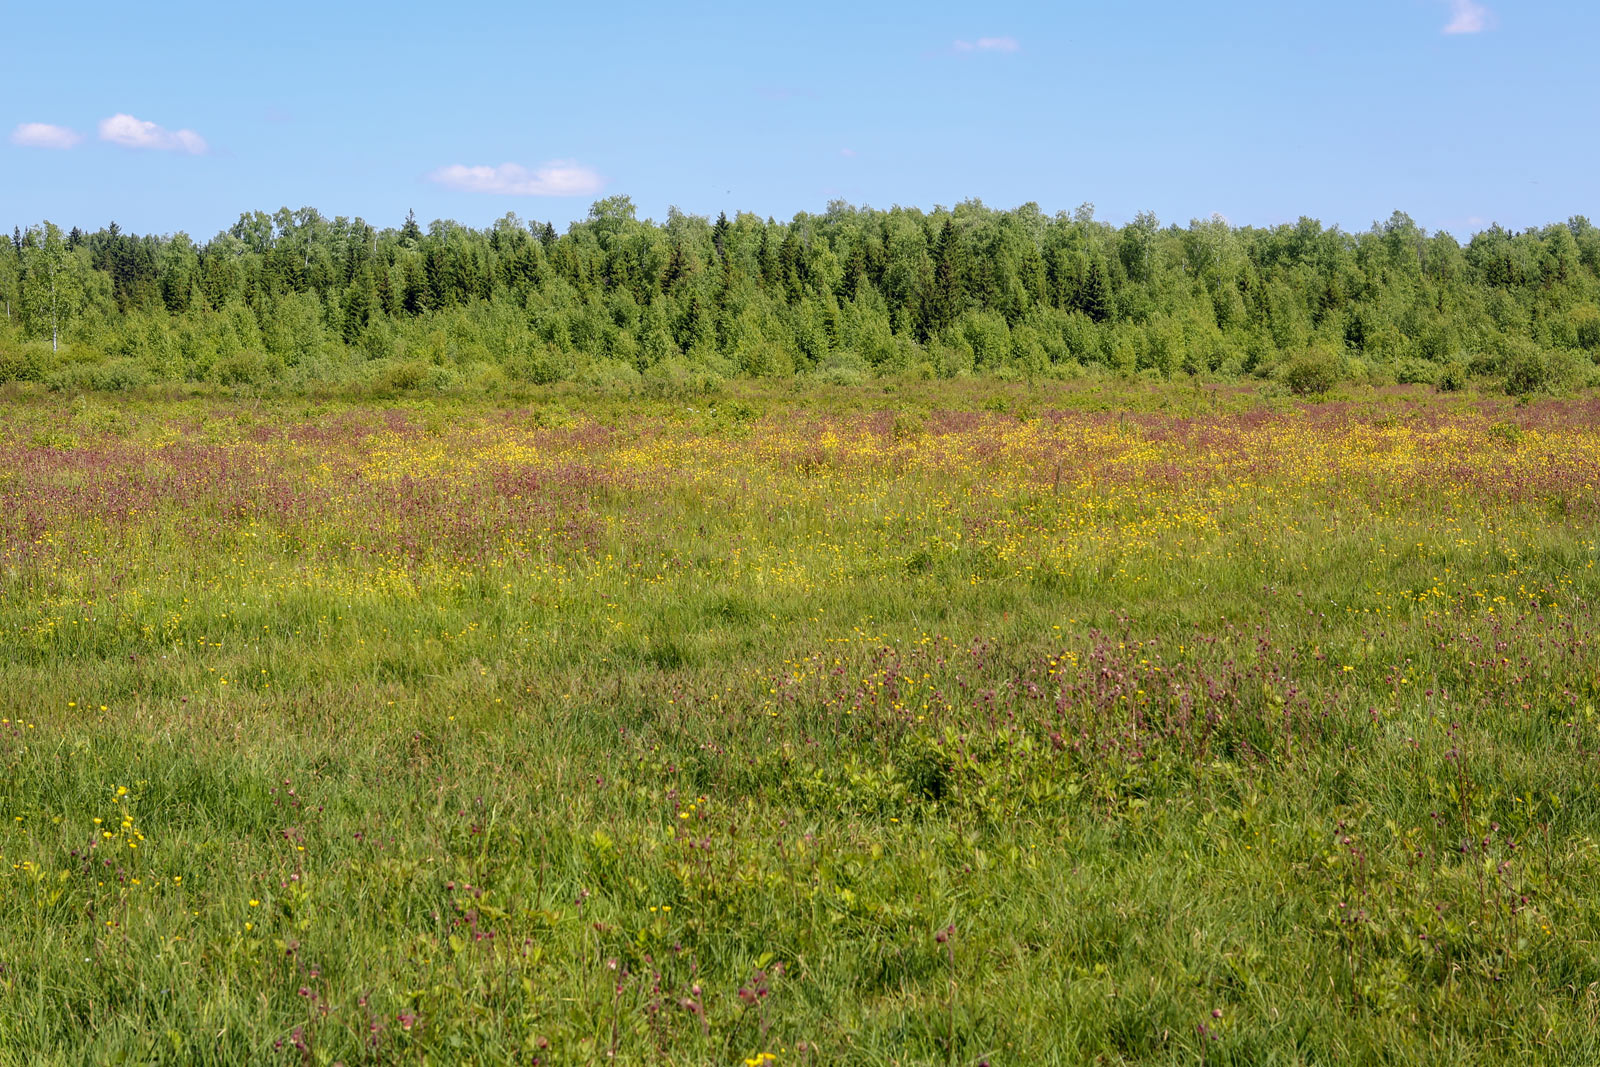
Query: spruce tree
791, 267
855, 272
388, 299
766, 258
410, 233
946, 297
1093, 297
677, 267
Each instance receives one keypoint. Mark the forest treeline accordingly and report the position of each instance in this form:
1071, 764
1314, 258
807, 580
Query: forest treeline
295, 298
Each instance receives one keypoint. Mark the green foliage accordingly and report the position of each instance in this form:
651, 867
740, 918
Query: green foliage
1527, 369
24, 362
838, 297
1311, 373
114, 376
245, 368
1414, 371
1453, 376
51, 283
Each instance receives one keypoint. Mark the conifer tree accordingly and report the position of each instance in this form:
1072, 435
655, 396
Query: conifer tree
1093, 297
410, 232
946, 296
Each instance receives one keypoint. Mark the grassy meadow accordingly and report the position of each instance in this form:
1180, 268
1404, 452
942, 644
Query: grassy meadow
931, 724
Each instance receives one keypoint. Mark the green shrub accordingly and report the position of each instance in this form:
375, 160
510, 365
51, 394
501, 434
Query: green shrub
403, 377
1586, 327
24, 363
245, 368
540, 367
677, 377
842, 368
610, 376
1311, 374
1453, 376
1414, 371
119, 375
1527, 371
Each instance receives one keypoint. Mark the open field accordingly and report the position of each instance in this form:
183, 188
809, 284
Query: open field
984, 724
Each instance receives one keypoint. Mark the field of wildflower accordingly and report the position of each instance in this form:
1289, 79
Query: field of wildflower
977, 725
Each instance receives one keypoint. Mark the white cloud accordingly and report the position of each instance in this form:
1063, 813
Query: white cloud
44, 135
560, 177
1468, 16
989, 44
848, 153
130, 132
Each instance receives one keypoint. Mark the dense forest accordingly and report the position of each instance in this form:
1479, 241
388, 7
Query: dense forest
294, 299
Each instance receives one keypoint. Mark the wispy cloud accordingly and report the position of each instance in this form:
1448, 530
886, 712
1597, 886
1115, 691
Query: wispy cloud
1468, 16
848, 153
561, 177
44, 135
130, 132
988, 44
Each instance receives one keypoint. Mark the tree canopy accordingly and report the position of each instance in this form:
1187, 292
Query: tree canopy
841, 295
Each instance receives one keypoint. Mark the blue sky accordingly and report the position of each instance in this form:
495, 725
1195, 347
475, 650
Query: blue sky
178, 116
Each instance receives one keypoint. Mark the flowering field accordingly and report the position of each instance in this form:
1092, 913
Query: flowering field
1221, 730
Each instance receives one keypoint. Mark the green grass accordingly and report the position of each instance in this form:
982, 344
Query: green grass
1114, 725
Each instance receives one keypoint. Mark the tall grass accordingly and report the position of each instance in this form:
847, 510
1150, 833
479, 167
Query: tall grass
1196, 729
